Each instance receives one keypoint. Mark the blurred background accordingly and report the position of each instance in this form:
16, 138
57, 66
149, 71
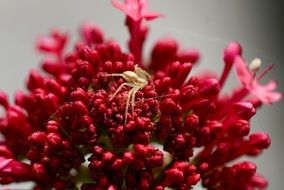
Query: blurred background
206, 25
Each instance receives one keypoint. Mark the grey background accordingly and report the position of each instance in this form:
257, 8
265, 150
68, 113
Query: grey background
204, 24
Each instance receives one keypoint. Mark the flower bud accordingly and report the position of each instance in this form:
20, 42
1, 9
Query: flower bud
244, 109
231, 51
190, 56
209, 87
4, 100
37, 138
54, 139
163, 53
245, 169
5, 152
91, 33
259, 140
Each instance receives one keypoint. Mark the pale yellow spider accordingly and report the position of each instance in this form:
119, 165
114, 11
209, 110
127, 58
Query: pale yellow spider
137, 80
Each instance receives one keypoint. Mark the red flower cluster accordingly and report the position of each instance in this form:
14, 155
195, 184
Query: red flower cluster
98, 119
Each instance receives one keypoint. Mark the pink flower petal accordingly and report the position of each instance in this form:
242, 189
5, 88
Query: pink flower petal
135, 9
243, 73
271, 85
130, 8
265, 93
150, 15
4, 163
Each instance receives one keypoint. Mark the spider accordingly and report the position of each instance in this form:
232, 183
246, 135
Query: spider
137, 80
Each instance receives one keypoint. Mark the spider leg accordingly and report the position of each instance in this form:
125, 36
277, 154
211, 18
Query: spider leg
127, 103
141, 73
114, 75
120, 87
135, 89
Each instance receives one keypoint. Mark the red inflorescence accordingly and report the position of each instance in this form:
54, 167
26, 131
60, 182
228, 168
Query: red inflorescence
74, 129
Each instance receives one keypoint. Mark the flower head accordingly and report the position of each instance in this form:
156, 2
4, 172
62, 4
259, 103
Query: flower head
74, 127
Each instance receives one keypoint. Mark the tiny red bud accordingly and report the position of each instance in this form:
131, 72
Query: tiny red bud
259, 140
91, 33
209, 87
245, 169
244, 109
4, 100
163, 53
54, 139
190, 55
38, 138
5, 152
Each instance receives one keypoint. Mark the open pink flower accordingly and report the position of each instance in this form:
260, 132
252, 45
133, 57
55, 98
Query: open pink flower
136, 9
265, 93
